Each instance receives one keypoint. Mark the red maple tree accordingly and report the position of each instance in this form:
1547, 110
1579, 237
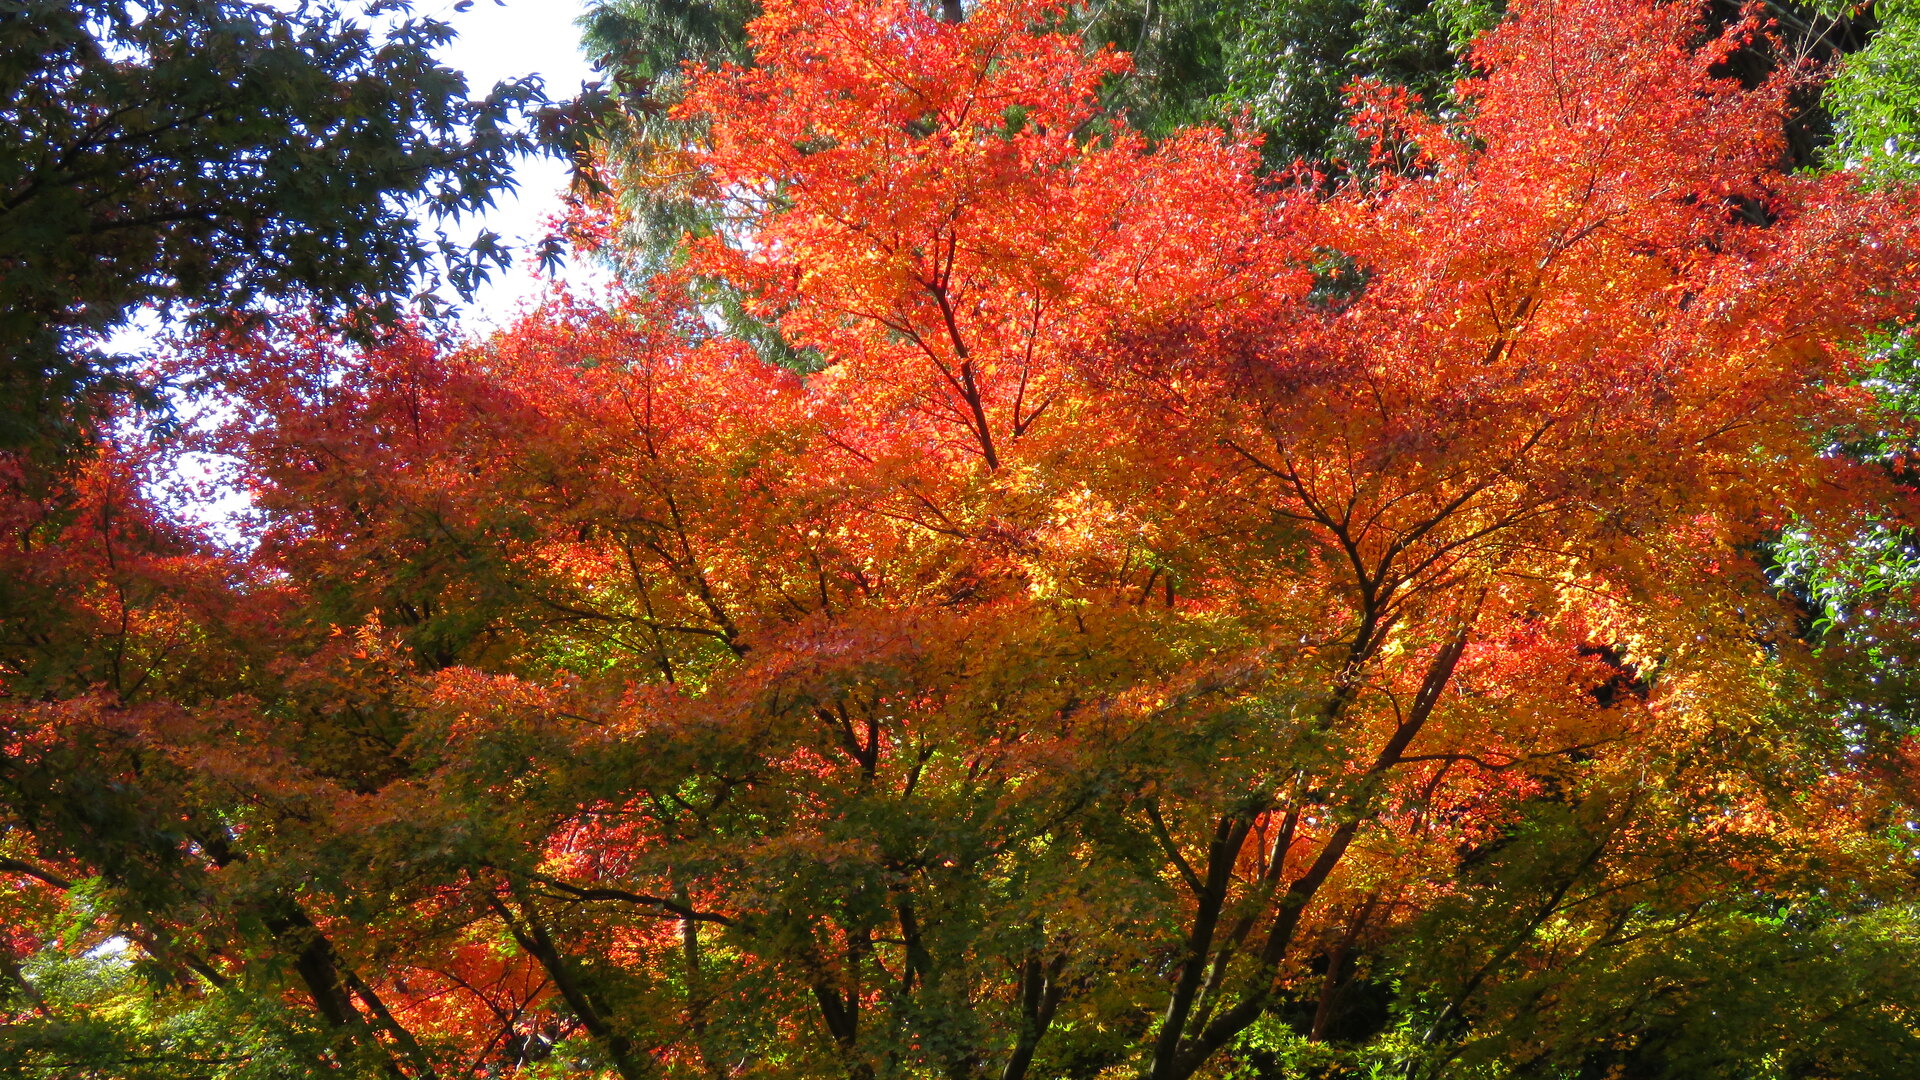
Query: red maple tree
1182, 605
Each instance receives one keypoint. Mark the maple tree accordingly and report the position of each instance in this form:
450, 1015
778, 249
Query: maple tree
1284, 67
1187, 623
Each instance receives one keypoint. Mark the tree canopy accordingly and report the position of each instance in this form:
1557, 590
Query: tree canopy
213, 156
1184, 619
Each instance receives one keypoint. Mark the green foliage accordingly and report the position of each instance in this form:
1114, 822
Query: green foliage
644, 45
1180, 52
210, 157
1797, 992
1876, 94
99, 1014
1293, 62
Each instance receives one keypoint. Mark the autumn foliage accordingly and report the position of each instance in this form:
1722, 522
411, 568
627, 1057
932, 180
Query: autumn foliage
1186, 622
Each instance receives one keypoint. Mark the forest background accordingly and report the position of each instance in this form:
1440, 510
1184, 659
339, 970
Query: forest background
1301, 538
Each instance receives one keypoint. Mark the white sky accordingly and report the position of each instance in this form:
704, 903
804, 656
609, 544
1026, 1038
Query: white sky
505, 39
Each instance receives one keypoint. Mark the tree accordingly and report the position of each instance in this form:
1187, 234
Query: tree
214, 156
1285, 66
1874, 92
1139, 649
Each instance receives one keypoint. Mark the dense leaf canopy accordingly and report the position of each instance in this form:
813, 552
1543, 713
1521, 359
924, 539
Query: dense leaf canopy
1180, 620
